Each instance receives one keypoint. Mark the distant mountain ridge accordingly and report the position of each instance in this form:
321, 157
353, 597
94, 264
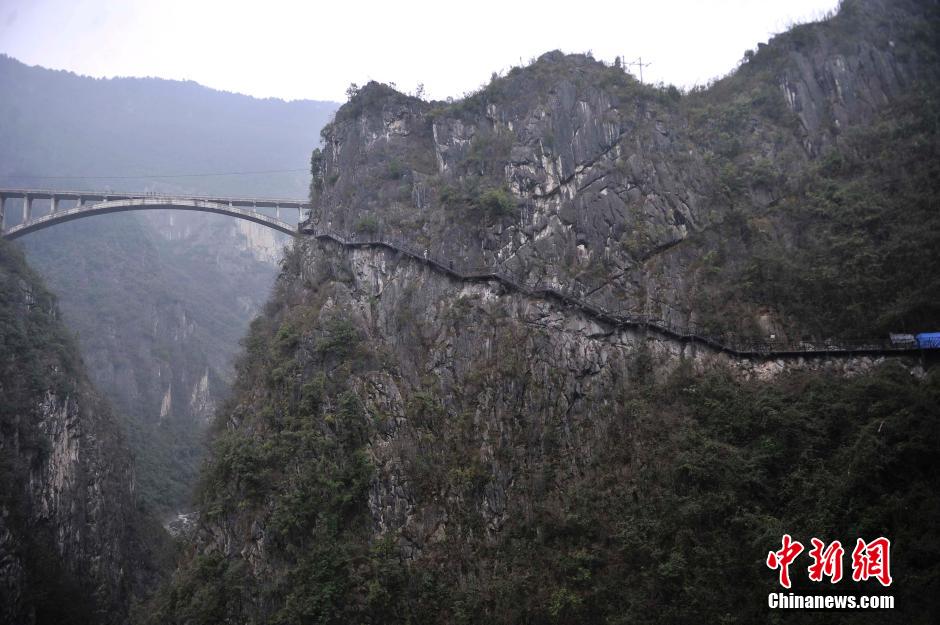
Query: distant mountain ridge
141, 126
159, 300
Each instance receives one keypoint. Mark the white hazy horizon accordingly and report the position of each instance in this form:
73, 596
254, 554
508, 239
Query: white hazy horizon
296, 50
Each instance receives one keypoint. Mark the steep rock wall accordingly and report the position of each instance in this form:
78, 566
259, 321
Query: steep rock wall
498, 358
73, 545
570, 173
402, 445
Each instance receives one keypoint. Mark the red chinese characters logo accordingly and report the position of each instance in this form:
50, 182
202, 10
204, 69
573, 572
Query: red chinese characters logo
826, 562
782, 559
869, 560
872, 560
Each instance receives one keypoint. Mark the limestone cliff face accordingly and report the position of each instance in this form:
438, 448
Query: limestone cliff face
615, 190
403, 444
70, 542
406, 446
529, 380
832, 82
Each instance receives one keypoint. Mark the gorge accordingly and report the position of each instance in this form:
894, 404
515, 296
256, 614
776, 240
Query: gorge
460, 428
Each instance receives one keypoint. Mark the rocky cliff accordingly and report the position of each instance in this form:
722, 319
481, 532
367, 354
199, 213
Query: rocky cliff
406, 446
403, 446
73, 545
569, 172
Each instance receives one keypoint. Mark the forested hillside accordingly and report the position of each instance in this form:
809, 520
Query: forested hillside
407, 446
74, 545
158, 301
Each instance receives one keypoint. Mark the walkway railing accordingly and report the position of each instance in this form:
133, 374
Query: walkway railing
736, 345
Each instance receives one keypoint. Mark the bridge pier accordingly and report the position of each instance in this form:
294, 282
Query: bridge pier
277, 212
2, 198
54, 206
27, 208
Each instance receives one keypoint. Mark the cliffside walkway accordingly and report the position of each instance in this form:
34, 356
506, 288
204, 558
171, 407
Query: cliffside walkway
737, 346
89, 203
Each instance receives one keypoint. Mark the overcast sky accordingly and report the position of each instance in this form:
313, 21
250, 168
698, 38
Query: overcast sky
293, 49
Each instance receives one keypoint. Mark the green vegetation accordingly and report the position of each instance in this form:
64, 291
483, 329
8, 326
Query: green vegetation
852, 249
155, 320
541, 75
474, 201
688, 483
396, 169
868, 252
497, 203
39, 364
38, 354
837, 238
300, 455
489, 153
368, 97
368, 224
316, 172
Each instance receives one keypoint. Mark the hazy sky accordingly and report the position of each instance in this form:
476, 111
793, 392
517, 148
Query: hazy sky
293, 49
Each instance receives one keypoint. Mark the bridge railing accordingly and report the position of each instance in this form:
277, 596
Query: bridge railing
728, 342
109, 203
15, 193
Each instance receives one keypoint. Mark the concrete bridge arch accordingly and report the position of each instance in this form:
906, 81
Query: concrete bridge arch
88, 204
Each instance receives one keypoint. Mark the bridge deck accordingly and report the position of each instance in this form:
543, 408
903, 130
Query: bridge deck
102, 202
102, 196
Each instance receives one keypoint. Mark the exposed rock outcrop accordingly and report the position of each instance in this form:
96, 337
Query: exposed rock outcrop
570, 173
73, 544
403, 443
407, 446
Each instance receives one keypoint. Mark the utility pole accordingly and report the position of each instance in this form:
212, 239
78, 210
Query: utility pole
639, 63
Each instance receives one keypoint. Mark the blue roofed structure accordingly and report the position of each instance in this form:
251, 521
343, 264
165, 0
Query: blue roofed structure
928, 340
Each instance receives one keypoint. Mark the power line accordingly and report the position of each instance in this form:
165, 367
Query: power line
225, 173
639, 62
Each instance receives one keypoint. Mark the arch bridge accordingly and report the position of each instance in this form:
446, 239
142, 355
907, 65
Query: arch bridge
68, 205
